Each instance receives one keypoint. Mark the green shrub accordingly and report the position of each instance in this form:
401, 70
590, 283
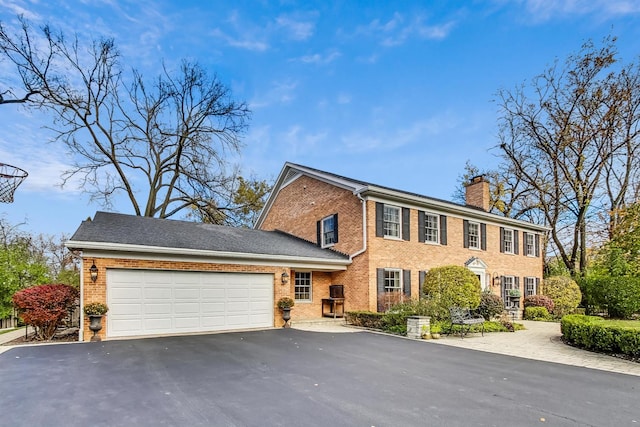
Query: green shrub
536, 313
597, 334
564, 292
539, 301
618, 296
395, 319
491, 305
450, 286
365, 319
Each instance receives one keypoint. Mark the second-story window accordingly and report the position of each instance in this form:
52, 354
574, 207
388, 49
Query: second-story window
507, 241
474, 235
431, 228
328, 231
392, 225
530, 244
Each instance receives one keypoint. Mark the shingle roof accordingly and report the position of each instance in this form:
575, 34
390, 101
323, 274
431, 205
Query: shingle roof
115, 228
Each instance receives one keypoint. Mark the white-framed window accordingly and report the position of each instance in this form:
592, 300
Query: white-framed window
392, 221
328, 231
431, 228
474, 235
530, 286
302, 286
530, 244
507, 241
393, 280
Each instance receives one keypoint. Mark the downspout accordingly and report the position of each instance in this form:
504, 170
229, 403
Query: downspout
364, 225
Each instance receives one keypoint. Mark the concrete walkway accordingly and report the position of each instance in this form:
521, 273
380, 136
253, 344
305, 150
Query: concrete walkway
540, 341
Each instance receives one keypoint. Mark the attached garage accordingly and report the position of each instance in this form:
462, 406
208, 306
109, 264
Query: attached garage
161, 276
152, 302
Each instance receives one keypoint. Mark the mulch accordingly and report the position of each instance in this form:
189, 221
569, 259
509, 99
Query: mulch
62, 336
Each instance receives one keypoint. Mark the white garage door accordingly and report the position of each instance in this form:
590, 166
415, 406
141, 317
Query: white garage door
148, 302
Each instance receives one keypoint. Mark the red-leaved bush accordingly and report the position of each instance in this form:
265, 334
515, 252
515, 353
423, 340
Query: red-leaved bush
44, 307
539, 301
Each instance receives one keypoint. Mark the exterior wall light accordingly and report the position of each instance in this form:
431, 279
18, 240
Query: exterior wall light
93, 271
284, 278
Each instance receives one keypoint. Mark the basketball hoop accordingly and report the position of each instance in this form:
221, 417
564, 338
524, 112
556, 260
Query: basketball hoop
10, 178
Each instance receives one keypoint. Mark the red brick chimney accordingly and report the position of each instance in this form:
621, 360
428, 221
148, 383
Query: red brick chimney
477, 193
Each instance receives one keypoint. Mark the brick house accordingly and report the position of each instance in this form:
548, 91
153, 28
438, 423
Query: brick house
394, 237
317, 230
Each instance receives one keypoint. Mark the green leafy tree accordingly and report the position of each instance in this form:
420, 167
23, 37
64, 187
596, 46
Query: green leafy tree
450, 286
19, 269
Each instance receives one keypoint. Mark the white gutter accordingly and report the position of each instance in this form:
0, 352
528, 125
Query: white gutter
364, 224
161, 250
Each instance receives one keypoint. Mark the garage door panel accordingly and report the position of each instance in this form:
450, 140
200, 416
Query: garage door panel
144, 302
189, 293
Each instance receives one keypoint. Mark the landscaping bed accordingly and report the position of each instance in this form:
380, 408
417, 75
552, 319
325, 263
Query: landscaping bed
620, 338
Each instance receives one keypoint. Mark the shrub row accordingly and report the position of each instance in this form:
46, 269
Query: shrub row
365, 319
536, 313
597, 334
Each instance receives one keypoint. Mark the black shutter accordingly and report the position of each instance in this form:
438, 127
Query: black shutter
503, 289
516, 280
516, 242
335, 228
406, 224
465, 233
537, 286
483, 236
443, 230
319, 232
380, 281
501, 239
421, 275
406, 283
421, 230
379, 219
524, 243
537, 245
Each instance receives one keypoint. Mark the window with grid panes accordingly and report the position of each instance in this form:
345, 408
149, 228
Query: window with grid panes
302, 286
431, 228
474, 235
392, 221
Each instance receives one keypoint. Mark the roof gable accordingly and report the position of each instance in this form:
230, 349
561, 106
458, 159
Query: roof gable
291, 171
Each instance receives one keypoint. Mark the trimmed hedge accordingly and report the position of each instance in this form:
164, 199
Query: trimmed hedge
597, 334
365, 319
536, 313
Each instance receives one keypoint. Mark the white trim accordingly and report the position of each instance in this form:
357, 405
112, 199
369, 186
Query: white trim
479, 235
325, 245
384, 229
153, 253
431, 242
310, 300
512, 241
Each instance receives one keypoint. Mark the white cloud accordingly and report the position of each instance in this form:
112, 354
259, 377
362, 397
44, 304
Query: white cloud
320, 59
296, 29
282, 92
242, 43
543, 10
379, 136
397, 30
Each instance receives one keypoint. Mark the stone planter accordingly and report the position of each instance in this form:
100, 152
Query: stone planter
286, 316
95, 325
417, 326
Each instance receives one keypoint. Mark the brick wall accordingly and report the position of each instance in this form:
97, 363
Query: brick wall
305, 201
300, 204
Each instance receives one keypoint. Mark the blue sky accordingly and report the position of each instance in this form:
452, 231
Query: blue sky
395, 93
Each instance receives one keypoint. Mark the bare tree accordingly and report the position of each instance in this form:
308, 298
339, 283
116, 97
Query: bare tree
163, 143
566, 136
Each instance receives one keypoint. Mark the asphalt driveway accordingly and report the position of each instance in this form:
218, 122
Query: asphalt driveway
299, 378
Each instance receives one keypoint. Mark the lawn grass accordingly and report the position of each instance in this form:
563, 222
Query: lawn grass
635, 324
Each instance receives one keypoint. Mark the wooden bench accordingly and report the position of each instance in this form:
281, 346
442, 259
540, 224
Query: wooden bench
465, 319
